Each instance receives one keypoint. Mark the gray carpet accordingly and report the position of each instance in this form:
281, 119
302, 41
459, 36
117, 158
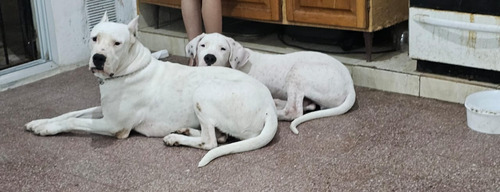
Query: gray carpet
388, 142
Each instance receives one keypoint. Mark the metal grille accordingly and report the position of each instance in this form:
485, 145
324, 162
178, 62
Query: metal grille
95, 10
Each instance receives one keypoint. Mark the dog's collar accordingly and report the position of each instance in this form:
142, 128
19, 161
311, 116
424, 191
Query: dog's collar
102, 81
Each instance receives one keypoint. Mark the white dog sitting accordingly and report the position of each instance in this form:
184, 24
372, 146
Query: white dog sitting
158, 98
292, 77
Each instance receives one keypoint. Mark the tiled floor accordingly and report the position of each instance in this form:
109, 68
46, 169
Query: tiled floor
387, 142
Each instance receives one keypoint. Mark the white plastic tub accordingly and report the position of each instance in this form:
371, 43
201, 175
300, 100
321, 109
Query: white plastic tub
483, 111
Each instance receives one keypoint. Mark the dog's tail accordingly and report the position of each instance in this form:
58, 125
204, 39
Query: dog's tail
266, 135
341, 109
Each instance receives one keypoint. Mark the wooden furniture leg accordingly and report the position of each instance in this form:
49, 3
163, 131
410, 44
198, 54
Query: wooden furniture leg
368, 36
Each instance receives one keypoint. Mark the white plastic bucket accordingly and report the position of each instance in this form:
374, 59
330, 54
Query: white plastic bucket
483, 111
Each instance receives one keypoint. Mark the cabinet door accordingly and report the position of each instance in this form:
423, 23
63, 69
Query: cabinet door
340, 13
268, 10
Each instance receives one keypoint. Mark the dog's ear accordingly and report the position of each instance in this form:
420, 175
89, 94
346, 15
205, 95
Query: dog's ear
192, 46
104, 17
133, 26
238, 56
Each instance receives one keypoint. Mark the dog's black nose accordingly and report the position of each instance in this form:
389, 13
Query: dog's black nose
99, 60
210, 59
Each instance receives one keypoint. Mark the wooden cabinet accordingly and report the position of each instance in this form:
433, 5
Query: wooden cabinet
343, 13
359, 15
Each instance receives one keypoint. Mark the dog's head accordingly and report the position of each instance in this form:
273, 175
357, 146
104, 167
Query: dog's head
215, 49
110, 43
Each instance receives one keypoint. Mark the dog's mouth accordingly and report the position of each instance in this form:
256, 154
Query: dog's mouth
95, 70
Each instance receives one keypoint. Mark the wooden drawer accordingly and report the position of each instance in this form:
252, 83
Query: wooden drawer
342, 13
268, 10
166, 3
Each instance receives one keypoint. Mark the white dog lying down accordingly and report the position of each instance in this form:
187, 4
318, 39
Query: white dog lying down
157, 98
292, 77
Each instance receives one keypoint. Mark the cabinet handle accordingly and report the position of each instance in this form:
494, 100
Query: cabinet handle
421, 18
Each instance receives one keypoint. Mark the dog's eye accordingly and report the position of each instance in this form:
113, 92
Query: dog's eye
202, 45
223, 49
94, 39
117, 43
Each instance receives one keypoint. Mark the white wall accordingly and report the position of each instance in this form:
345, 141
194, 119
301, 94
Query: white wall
126, 10
69, 36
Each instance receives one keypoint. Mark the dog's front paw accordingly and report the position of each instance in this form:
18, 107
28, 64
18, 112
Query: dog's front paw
35, 123
46, 129
171, 140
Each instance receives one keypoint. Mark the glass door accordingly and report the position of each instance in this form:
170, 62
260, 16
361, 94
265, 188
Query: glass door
17, 34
